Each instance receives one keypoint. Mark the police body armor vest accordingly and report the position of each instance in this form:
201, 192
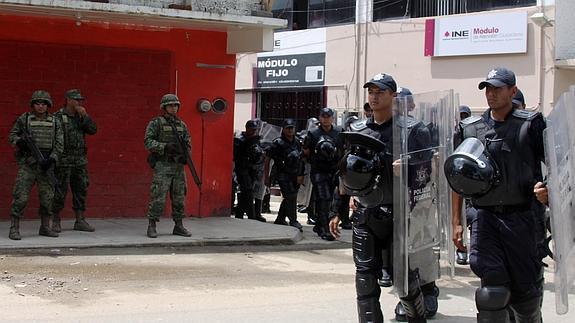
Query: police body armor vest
42, 131
318, 160
510, 147
387, 156
251, 154
289, 157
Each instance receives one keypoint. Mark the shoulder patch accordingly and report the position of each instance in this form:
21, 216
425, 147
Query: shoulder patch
358, 125
524, 114
470, 120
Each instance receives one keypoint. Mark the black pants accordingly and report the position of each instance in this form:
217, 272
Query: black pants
503, 252
372, 233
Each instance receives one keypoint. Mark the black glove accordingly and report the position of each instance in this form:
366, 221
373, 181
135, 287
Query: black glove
21, 143
171, 149
47, 163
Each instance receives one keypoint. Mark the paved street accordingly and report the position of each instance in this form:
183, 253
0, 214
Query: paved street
206, 284
230, 270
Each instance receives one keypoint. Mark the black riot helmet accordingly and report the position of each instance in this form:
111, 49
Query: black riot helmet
360, 168
326, 148
469, 170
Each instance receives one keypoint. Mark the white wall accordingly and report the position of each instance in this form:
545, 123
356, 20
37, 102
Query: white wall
396, 47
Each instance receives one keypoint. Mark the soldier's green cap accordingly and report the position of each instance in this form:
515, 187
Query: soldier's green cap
74, 94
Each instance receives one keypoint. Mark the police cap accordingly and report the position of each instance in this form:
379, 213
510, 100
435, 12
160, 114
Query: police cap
382, 81
498, 77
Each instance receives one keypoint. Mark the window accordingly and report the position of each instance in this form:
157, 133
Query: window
390, 9
304, 14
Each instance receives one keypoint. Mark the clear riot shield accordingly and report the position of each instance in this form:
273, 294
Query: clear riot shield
447, 243
304, 193
422, 140
560, 161
268, 132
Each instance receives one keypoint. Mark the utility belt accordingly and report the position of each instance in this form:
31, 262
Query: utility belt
379, 220
505, 209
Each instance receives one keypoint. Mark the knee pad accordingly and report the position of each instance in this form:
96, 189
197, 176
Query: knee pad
492, 298
366, 286
491, 302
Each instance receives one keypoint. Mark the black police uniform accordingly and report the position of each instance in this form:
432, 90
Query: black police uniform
248, 156
325, 150
288, 165
503, 246
373, 230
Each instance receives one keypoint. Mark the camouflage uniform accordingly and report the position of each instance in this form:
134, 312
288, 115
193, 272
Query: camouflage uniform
168, 164
47, 134
72, 167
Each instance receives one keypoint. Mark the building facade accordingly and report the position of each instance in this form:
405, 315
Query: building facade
360, 38
124, 55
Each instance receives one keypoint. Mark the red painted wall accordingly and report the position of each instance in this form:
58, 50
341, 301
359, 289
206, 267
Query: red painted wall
123, 73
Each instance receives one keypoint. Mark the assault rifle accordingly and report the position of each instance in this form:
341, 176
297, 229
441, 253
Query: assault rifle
186, 152
40, 159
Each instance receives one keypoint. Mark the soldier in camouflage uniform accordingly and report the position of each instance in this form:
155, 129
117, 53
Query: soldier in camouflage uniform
167, 160
72, 169
47, 135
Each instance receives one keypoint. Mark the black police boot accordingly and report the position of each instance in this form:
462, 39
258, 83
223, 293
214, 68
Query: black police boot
385, 280
430, 299
400, 314
461, 257
324, 230
81, 224
14, 233
294, 223
56, 223
258, 211
179, 229
45, 229
152, 233
266, 203
281, 218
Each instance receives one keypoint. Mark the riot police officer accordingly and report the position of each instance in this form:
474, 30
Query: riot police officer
322, 146
288, 171
368, 173
519, 100
503, 245
248, 157
167, 160
35, 132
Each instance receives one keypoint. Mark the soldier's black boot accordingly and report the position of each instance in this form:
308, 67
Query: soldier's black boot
81, 224
14, 228
152, 233
56, 223
179, 229
258, 211
45, 229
